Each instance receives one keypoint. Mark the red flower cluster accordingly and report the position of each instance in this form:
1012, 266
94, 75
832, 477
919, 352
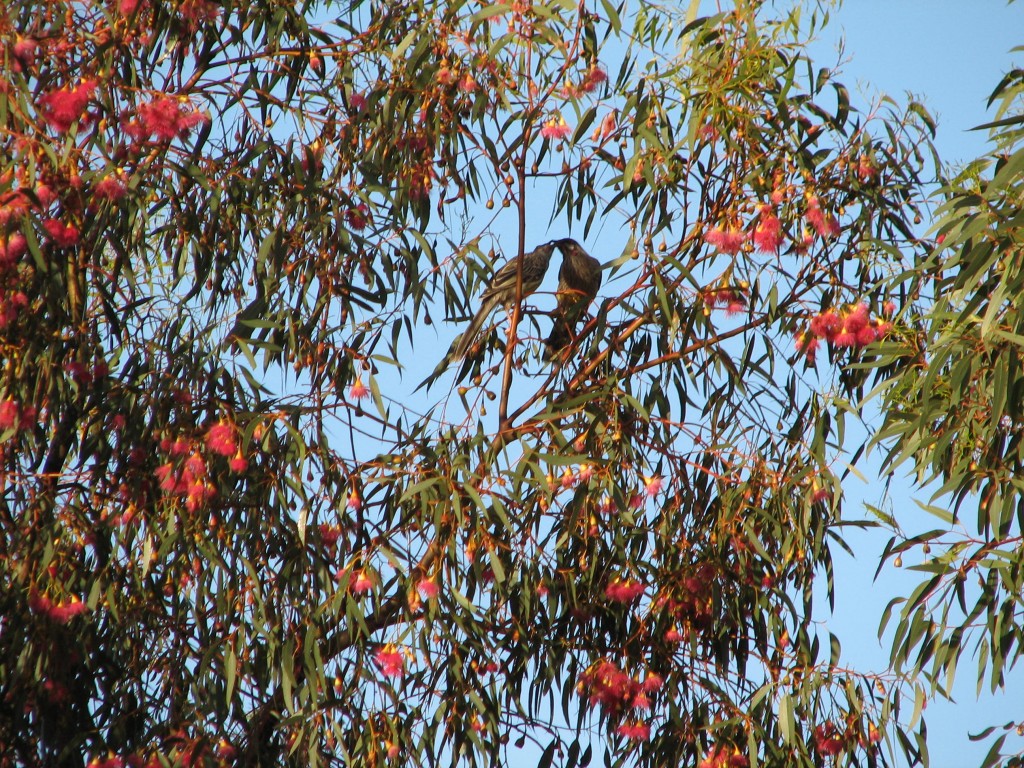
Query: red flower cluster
826, 225
15, 416
11, 304
767, 235
830, 741
614, 689
12, 250
390, 661
61, 613
623, 590
635, 731
198, 12
64, 107
593, 78
728, 241
165, 117
187, 478
555, 129
63, 235
358, 217
854, 328
110, 187
724, 757
220, 438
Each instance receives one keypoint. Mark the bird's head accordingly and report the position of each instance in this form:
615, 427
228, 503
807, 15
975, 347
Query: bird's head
566, 245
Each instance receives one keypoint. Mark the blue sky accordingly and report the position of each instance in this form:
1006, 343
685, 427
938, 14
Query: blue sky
949, 55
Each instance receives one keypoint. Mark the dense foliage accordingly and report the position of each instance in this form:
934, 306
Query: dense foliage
232, 533
955, 419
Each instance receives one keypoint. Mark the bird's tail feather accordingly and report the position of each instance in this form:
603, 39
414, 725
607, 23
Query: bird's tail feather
465, 342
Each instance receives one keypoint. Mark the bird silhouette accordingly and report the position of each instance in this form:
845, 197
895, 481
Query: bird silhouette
503, 290
579, 279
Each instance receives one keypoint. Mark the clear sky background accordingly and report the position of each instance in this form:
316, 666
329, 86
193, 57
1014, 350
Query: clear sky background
948, 54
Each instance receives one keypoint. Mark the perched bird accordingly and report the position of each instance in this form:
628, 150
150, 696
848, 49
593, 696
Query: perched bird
578, 281
502, 290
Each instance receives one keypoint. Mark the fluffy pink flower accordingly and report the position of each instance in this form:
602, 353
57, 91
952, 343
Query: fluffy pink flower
826, 225
9, 411
110, 187
63, 235
652, 485
12, 250
623, 590
390, 661
64, 107
808, 344
361, 583
555, 129
62, 613
354, 501
728, 241
768, 232
165, 117
594, 77
238, 463
220, 439
428, 588
358, 390
825, 325
636, 731
653, 683
358, 216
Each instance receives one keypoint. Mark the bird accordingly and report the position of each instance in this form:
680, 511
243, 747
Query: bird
503, 290
579, 279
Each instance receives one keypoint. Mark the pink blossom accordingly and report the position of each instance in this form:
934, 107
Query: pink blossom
826, 225
358, 216
728, 241
808, 344
220, 439
624, 590
9, 411
110, 187
595, 76
12, 250
361, 583
354, 501
165, 117
358, 390
585, 472
64, 107
652, 485
63, 235
391, 662
653, 683
612, 688
635, 731
197, 12
238, 463
24, 51
825, 325
357, 101
62, 613
428, 588
768, 232
555, 129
